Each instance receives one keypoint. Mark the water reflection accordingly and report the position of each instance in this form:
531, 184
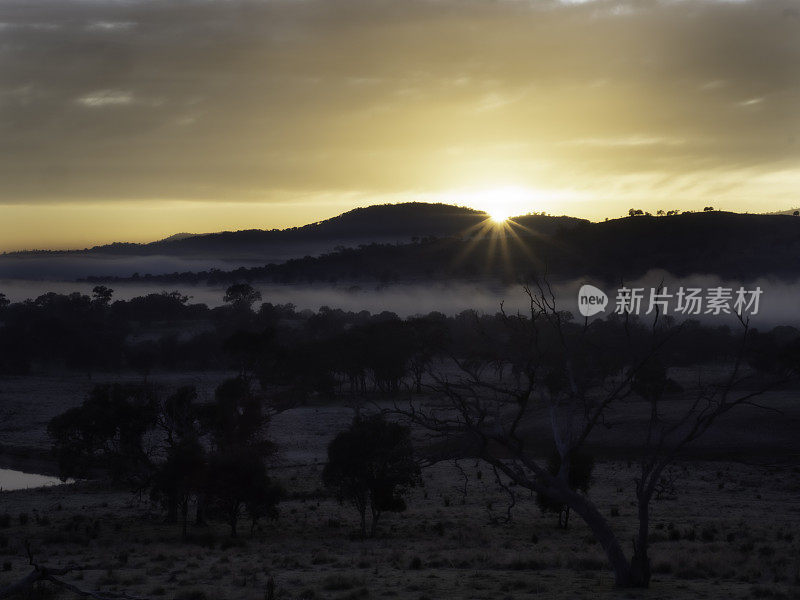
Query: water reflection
18, 480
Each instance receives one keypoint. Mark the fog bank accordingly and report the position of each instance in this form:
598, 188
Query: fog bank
778, 302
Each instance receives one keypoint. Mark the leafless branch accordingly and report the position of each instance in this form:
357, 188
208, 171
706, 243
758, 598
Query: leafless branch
53, 575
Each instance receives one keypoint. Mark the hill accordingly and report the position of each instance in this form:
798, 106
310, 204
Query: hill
387, 223
737, 246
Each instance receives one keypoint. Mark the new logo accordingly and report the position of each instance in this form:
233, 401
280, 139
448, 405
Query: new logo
591, 300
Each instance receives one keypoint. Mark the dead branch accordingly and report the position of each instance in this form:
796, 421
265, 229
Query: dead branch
53, 575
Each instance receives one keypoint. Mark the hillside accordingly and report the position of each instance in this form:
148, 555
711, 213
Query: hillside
387, 223
730, 245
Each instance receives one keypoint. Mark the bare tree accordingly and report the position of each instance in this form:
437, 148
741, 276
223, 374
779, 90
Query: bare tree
561, 380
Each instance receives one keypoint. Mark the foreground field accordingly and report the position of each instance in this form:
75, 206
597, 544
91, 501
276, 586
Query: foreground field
729, 528
733, 531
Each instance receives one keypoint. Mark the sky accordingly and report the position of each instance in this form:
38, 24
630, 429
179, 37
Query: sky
132, 120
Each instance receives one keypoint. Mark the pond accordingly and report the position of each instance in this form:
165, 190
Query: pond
19, 480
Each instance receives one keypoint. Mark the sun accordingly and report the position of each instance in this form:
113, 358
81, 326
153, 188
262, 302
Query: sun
503, 203
499, 216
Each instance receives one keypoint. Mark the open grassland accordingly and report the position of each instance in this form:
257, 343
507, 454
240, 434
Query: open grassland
730, 528
732, 531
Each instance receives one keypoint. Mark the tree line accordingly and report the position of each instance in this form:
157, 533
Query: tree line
294, 353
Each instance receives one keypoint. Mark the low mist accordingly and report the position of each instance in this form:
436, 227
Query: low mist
778, 302
68, 267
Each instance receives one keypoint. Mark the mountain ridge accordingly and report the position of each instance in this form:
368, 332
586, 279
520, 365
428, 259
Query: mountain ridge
381, 222
731, 245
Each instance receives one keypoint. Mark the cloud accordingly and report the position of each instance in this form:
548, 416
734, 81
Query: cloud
106, 98
267, 101
630, 141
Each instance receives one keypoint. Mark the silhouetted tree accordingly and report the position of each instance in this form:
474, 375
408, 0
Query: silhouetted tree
261, 501
179, 477
236, 418
570, 376
106, 432
388, 349
242, 295
248, 350
304, 367
102, 295
429, 337
372, 465
237, 481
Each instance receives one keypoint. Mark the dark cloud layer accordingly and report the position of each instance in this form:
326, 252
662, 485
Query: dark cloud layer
205, 100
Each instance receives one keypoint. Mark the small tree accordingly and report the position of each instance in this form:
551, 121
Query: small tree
262, 500
102, 295
237, 483
236, 418
429, 337
178, 478
106, 432
242, 295
372, 465
236, 479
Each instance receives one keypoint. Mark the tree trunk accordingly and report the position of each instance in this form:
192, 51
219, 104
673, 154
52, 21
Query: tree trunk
184, 517
605, 536
269, 594
376, 515
363, 512
172, 508
640, 562
199, 518
234, 520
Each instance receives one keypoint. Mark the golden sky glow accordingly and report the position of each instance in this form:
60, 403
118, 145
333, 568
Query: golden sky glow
132, 121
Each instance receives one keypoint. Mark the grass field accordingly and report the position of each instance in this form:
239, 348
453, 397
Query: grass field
731, 530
